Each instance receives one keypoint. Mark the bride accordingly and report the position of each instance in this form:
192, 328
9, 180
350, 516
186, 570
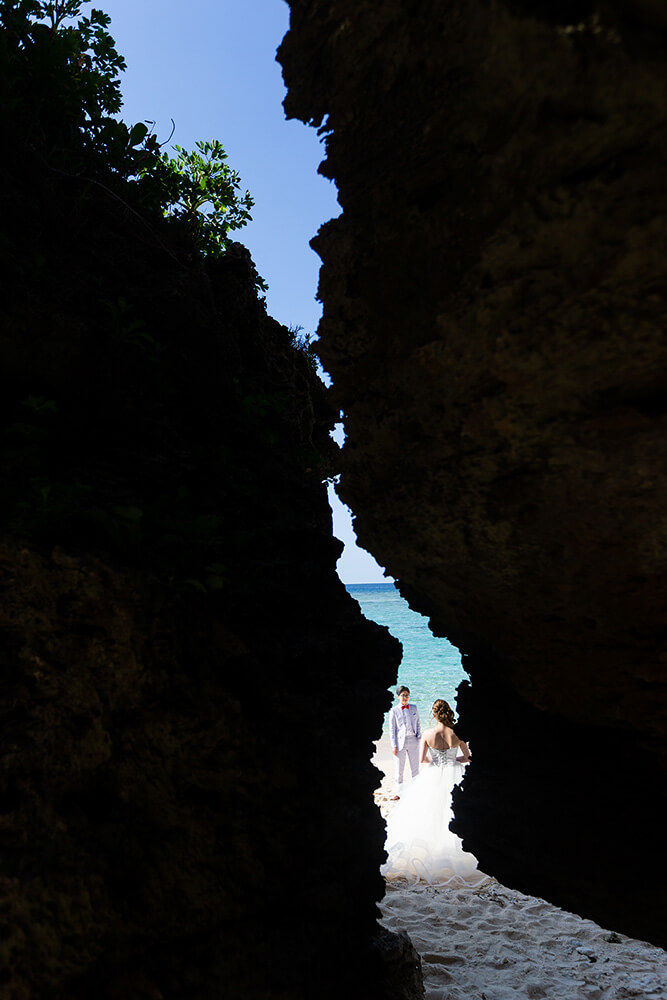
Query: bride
420, 845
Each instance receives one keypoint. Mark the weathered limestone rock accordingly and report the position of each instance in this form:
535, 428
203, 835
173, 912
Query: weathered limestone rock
180, 815
494, 319
403, 977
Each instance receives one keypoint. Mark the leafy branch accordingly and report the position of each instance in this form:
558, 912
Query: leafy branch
201, 191
61, 94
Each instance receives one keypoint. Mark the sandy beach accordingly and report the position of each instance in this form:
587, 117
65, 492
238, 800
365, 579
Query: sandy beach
493, 943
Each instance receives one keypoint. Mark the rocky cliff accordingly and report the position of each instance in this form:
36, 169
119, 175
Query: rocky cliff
494, 318
174, 640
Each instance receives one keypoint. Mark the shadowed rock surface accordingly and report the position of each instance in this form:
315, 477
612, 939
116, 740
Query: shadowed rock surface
494, 316
181, 815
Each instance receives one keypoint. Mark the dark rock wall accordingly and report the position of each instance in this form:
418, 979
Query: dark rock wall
494, 316
182, 814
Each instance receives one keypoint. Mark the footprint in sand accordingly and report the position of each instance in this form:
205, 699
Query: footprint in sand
442, 959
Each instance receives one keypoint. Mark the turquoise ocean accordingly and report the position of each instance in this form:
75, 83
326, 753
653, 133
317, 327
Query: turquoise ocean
430, 667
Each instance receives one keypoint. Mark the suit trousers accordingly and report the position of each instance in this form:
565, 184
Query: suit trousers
411, 751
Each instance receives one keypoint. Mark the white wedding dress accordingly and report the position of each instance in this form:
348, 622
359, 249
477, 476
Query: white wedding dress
420, 845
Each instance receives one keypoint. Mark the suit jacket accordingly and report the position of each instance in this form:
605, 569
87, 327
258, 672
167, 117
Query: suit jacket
402, 723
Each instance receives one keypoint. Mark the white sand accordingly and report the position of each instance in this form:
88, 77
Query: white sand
493, 943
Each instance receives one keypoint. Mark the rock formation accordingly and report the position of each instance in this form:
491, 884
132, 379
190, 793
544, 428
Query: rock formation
180, 814
493, 312
493, 323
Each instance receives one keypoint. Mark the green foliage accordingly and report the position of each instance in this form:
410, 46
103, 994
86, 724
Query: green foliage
47, 502
131, 330
304, 342
201, 191
214, 579
40, 405
74, 466
61, 86
60, 94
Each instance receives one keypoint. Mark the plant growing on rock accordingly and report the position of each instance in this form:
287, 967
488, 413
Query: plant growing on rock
304, 342
61, 88
60, 96
200, 191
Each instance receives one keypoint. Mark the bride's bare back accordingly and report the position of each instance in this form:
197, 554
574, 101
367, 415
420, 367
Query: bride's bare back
443, 737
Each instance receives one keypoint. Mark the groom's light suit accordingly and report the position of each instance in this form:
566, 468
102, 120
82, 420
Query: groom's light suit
405, 731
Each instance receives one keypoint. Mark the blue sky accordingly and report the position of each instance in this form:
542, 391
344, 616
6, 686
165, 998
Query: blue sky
210, 65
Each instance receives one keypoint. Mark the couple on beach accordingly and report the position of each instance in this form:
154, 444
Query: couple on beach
419, 844
407, 742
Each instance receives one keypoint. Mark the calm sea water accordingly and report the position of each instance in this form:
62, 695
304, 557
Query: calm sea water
430, 667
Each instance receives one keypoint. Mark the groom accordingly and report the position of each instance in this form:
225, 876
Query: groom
405, 731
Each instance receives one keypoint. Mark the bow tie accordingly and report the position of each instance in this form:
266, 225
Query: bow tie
403, 707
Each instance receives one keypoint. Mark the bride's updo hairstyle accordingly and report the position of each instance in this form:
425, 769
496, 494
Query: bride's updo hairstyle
443, 713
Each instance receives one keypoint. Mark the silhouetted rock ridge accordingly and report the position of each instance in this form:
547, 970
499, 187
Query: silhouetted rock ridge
180, 813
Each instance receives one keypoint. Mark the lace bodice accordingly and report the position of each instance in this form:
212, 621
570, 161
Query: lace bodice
441, 758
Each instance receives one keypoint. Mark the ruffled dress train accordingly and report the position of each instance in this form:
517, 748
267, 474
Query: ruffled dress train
419, 843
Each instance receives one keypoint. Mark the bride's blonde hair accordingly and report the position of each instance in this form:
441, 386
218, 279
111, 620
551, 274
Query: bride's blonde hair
443, 713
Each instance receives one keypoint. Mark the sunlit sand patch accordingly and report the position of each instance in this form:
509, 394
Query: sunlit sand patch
493, 943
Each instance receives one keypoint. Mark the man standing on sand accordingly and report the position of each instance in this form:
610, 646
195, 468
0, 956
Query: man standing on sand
405, 731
